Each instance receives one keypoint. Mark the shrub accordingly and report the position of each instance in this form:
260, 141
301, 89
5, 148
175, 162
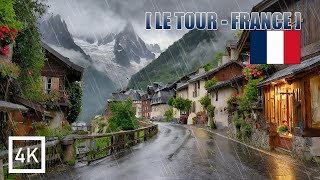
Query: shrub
171, 101
206, 67
122, 116
238, 123
213, 125
28, 52
9, 69
168, 115
251, 90
52, 97
244, 104
233, 99
9, 26
205, 101
210, 83
210, 110
182, 104
41, 129
246, 130
75, 100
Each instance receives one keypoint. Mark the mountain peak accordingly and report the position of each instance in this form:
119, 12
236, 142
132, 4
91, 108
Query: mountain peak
128, 28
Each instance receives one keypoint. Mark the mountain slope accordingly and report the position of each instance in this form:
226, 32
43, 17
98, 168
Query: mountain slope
97, 85
193, 49
118, 55
130, 47
97, 89
55, 31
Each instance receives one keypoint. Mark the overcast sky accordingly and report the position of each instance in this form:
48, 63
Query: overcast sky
100, 17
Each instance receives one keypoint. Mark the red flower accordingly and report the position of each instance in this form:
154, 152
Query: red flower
1, 35
14, 30
30, 73
12, 38
5, 50
6, 29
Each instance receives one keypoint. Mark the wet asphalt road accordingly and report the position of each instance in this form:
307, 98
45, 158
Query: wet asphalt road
183, 152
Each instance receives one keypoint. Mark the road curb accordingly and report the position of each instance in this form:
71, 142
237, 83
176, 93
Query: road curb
292, 161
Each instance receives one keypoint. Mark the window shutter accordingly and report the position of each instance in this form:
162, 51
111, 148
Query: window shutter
55, 83
44, 83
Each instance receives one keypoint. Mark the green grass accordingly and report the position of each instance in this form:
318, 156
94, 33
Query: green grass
141, 134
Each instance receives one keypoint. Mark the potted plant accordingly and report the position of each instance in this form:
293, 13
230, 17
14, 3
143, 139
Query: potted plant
8, 29
283, 130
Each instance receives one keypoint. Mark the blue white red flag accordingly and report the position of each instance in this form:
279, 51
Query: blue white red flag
275, 47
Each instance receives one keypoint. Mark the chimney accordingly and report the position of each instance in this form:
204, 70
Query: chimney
201, 71
225, 59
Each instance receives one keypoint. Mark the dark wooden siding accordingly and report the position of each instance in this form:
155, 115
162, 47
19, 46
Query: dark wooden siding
310, 29
227, 73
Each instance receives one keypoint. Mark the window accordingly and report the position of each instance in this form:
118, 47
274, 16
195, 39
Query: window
48, 85
315, 101
198, 84
217, 94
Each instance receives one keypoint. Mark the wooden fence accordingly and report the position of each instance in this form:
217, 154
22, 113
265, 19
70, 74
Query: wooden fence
90, 148
81, 148
53, 156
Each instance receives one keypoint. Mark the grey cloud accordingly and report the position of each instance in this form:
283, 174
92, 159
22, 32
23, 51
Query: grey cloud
96, 18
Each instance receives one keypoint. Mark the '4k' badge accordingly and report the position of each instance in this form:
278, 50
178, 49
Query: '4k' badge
22, 156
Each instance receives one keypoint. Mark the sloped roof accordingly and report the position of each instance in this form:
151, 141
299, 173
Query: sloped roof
182, 86
119, 97
135, 95
214, 70
161, 97
62, 58
8, 107
293, 70
229, 82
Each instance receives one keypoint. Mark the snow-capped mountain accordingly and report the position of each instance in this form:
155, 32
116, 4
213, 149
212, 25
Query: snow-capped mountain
109, 61
118, 55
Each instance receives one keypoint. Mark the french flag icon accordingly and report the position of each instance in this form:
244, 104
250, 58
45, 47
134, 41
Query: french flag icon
275, 47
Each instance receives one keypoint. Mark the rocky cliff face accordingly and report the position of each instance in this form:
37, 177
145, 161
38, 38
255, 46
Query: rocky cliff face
155, 48
55, 31
130, 47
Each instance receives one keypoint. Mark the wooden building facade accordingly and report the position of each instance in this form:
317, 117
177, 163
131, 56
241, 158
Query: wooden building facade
58, 73
291, 96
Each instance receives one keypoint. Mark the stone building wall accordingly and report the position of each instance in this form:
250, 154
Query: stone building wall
306, 147
259, 137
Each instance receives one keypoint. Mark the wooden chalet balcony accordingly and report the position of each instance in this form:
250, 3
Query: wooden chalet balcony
62, 96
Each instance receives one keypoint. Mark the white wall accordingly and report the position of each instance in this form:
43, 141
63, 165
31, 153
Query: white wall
201, 93
183, 93
158, 110
138, 106
221, 113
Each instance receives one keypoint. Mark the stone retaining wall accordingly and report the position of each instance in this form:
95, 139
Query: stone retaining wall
259, 137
